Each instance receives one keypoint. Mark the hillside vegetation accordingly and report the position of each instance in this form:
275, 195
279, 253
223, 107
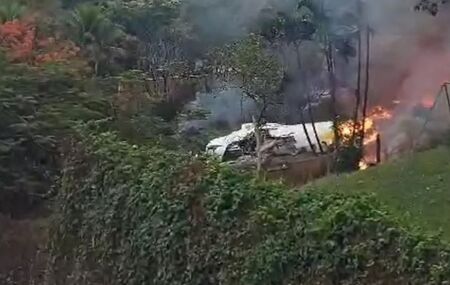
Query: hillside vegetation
416, 188
103, 180
143, 215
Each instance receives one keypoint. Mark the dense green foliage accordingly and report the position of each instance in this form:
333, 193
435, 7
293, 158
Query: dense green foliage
95, 33
38, 106
143, 215
259, 74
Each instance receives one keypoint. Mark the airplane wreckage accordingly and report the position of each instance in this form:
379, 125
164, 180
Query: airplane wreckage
285, 150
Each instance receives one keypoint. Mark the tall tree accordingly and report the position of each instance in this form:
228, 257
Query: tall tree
258, 75
291, 30
155, 25
93, 31
367, 85
336, 33
324, 36
358, 80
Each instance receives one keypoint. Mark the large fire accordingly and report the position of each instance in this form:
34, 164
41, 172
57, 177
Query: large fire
379, 113
375, 116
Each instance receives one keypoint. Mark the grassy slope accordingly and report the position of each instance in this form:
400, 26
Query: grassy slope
415, 188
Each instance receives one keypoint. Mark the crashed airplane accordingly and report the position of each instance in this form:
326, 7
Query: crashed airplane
285, 151
293, 137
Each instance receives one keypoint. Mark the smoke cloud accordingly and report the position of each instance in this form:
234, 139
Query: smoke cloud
226, 108
410, 62
410, 57
219, 21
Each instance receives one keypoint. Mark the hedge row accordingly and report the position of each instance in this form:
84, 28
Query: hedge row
144, 215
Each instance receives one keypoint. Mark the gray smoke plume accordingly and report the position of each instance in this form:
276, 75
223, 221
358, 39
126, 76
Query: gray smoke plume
410, 62
410, 51
219, 21
226, 107
410, 56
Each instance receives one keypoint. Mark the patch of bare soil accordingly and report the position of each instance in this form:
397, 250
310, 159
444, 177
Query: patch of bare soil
23, 255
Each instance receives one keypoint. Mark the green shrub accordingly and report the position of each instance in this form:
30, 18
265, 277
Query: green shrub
38, 107
143, 215
348, 158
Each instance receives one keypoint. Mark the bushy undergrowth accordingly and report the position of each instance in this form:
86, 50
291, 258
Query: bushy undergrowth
38, 106
143, 215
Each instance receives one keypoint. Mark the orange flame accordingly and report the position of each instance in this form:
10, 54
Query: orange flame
348, 128
378, 113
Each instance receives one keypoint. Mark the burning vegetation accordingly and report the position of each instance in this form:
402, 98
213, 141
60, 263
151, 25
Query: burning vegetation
291, 144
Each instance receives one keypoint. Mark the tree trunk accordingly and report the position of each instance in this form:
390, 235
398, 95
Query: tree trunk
258, 137
305, 129
447, 95
332, 79
366, 89
242, 108
378, 149
313, 123
96, 64
165, 82
358, 81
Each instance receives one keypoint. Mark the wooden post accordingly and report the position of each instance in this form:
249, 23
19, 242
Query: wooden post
378, 149
424, 127
447, 95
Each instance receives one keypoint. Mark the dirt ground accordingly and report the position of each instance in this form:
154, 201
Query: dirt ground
22, 250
